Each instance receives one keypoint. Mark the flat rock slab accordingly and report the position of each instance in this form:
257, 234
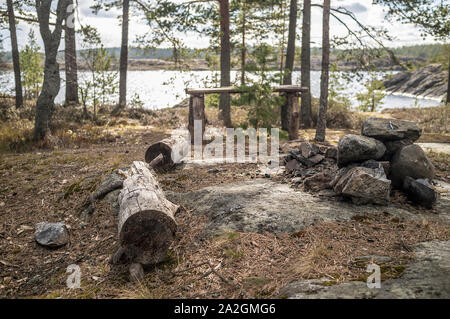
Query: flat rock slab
428, 276
263, 205
390, 129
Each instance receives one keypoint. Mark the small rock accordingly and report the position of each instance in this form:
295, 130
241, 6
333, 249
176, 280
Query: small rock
308, 149
390, 129
355, 148
410, 161
331, 152
51, 234
136, 273
316, 159
296, 180
420, 191
292, 165
317, 182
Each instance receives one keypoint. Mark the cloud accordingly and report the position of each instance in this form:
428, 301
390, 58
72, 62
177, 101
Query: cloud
356, 7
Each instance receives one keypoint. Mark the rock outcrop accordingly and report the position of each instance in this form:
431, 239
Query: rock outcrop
427, 276
427, 82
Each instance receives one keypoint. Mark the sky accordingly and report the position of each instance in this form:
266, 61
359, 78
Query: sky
109, 27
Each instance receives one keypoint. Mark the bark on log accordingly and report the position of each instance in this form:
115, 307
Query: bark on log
146, 218
173, 149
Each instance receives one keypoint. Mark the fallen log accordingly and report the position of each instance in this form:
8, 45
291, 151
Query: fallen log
173, 149
146, 218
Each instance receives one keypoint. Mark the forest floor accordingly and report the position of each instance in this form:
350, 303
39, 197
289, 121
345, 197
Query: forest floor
52, 185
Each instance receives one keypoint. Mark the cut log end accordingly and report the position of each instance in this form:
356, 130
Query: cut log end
172, 149
146, 218
146, 236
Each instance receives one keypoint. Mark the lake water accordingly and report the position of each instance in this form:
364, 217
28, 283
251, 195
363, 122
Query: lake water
159, 89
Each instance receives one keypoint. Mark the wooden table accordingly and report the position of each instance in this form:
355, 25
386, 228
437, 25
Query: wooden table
197, 105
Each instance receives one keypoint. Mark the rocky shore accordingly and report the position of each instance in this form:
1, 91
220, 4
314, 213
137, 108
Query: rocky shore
428, 82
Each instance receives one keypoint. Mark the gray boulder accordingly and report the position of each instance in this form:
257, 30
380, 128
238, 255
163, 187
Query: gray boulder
420, 191
51, 234
390, 129
410, 161
355, 148
364, 185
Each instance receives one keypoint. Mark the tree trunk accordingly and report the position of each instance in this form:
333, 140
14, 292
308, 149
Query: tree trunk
124, 56
322, 116
243, 48
282, 41
15, 54
306, 64
70, 55
146, 218
50, 88
448, 83
290, 55
173, 149
225, 60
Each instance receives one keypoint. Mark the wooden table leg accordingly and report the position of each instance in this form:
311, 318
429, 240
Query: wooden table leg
293, 115
196, 112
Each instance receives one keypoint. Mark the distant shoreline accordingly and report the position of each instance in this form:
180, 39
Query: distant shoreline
200, 65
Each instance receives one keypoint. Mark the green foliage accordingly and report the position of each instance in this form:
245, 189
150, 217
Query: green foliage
442, 56
430, 15
212, 100
370, 101
101, 86
264, 105
32, 70
136, 101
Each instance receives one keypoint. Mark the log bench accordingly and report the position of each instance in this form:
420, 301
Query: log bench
292, 93
197, 105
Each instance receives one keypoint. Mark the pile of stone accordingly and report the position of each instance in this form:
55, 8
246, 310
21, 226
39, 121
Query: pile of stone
384, 156
311, 165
